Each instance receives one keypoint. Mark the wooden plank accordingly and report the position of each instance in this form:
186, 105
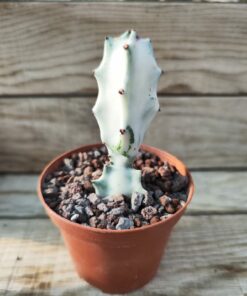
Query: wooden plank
141, 1
53, 47
202, 131
206, 256
35, 130
216, 192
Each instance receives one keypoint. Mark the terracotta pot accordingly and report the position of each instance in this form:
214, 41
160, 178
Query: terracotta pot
116, 261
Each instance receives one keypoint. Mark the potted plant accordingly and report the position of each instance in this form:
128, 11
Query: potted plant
116, 203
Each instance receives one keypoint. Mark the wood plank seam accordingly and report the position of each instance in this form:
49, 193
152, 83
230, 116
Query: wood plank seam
203, 52
195, 129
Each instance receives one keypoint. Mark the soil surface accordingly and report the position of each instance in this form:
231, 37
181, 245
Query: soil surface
70, 193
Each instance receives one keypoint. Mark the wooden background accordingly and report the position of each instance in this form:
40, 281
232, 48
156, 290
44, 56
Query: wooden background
48, 52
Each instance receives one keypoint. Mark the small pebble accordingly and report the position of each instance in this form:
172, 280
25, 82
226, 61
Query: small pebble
84, 156
96, 174
165, 216
137, 222
147, 170
93, 221
79, 209
54, 204
102, 216
148, 212
182, 203
147, 155
58, 173
148, 199
170, 208
82, 202
102, 224
102, 207
154, 219
116, 211
139, 163
78, 171
73, 188
48, 178
53, 182
70, 208
163, 171
161, 209
88, 185
96, 153
124, 223
175, 202
74, 217
148, 163
89, 211
180, 196
93, 198
136, 201
164, 200
179, 183
88, 171
117, 198
68, 164
51, 191
76, 196
110, 226
103, 149
158, 193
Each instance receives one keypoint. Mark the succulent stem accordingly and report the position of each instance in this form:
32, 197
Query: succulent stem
127, 102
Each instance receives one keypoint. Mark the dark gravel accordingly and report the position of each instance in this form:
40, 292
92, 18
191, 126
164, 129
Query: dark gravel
69, 192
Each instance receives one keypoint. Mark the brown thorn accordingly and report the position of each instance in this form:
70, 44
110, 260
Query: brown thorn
121, 91
122, 131
126, 46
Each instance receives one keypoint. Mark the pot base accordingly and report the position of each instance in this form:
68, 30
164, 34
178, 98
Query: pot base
118, 290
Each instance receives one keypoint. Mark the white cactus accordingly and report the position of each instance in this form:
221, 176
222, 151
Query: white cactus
127, 102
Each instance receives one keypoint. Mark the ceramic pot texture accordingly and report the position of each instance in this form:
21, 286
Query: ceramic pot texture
116, 261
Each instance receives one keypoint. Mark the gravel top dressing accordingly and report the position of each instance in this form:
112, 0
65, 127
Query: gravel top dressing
70, 193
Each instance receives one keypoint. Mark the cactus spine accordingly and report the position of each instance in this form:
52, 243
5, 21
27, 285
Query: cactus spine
126, 104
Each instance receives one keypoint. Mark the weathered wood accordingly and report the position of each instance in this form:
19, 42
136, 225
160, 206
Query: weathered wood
216, 192
206, 256
141, 1
35, 130
202, 131
53, 47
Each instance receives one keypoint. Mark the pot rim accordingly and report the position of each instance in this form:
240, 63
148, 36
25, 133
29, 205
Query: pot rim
155, 150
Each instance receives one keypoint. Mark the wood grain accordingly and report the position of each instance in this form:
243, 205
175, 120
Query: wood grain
202, 131
216, 193
51, 48
206, 256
